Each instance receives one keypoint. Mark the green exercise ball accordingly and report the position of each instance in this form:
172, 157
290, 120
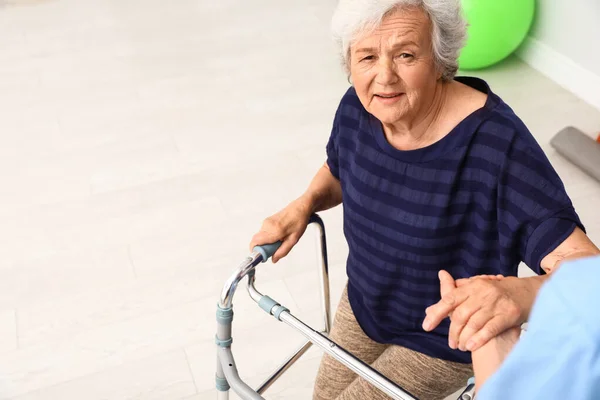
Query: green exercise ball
496, 29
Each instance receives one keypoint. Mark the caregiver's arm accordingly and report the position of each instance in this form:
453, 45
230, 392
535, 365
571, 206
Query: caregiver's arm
488, 358
557, 357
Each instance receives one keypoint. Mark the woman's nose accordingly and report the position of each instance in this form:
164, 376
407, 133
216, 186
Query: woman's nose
386, 72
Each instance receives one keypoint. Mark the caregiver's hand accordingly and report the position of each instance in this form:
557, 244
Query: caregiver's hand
288, 225
480, 308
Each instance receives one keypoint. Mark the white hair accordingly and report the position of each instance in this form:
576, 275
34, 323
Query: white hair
356, 17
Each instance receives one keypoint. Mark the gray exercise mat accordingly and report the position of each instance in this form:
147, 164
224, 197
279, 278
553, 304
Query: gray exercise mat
580, 149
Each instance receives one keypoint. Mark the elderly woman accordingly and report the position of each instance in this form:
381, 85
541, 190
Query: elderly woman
439, 180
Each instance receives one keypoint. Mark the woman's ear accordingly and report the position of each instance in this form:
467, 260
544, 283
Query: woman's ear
440, 73
347, 68
349, 74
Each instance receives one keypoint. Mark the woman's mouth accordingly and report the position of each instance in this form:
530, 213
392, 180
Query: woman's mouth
388, 98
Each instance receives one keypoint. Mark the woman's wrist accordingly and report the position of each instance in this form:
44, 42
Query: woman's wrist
307, 203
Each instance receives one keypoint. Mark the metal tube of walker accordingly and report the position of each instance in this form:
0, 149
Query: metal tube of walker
231, 373
325, 297
356, 365
284, 367
323, 272
226, 373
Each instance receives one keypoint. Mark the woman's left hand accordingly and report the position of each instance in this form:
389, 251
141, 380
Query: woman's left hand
480, 308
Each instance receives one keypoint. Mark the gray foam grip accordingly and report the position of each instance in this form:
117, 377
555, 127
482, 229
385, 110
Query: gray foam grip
580, 149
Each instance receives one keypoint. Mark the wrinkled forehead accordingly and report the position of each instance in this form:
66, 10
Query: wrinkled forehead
400, 25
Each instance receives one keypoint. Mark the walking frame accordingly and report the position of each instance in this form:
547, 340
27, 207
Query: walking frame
227, 376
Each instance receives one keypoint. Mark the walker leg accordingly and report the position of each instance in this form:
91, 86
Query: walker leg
284, 367
223, 340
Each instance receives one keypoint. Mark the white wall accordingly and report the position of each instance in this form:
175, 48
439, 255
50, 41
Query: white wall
572, 28
565, 45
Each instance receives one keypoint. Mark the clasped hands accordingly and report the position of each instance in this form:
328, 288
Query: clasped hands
480, 308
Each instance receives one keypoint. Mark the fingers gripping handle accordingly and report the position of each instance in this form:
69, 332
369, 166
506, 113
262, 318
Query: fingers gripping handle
267, 250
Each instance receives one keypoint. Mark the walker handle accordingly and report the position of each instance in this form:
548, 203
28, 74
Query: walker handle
267, 250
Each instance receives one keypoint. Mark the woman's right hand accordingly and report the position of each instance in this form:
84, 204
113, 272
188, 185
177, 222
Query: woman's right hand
288, 226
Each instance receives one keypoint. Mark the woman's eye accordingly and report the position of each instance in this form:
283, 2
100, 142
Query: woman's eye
368, 58
405, 55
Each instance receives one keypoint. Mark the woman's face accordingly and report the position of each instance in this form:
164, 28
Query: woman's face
392, 68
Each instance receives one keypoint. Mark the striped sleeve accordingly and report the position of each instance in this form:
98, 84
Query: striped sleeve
332, 146
535, 213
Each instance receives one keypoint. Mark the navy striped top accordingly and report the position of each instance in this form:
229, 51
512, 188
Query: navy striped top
478, 201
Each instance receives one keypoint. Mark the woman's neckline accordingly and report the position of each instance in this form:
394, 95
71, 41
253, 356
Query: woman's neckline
453, 139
